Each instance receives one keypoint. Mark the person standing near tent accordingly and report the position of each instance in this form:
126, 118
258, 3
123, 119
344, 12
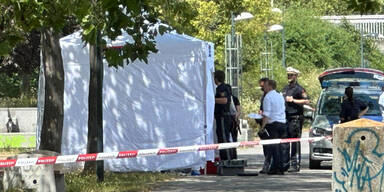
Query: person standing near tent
295, 98
222, 113
235, 110
274, 123
262, 133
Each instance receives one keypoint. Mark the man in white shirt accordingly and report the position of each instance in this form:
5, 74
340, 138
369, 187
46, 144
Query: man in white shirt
381, 103
274, 122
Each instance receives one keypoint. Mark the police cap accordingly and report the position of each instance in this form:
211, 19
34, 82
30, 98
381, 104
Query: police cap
291, 70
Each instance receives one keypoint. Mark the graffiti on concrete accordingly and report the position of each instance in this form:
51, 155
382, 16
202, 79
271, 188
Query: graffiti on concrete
364, 168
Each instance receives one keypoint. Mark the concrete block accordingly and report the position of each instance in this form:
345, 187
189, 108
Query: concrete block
244, 128
26, 118
40, 178
358, 156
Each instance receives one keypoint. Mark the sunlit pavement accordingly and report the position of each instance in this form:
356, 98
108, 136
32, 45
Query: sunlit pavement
305, 180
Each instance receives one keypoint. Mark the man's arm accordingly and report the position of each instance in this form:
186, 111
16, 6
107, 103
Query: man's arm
364, 108
342, 112
303, 100
238, 111
264, 122
221, 100
363, 112
266, 112
300, 101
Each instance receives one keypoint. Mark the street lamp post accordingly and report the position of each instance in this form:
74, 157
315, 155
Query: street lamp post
362, 49
232, 54
278, 27
283, 46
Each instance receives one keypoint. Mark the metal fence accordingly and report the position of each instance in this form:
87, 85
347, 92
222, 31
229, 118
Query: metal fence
367, 24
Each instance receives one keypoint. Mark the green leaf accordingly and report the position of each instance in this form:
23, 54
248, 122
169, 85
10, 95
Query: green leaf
5, 48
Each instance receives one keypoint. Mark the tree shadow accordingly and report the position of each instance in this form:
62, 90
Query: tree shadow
145, 106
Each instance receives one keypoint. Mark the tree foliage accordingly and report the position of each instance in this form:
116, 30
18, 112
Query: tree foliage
107, 20
310, 42
48, 18
23, 63
365, 6
312, 45
111, 18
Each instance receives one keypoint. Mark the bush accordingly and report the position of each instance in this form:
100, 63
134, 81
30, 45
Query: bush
18, 102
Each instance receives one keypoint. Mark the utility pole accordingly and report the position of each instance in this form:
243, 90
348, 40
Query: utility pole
362, 48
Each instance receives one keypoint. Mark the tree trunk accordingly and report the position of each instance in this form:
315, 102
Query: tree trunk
52, 128
95, 108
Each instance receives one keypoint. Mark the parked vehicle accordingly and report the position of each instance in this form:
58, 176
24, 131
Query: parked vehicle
367, 85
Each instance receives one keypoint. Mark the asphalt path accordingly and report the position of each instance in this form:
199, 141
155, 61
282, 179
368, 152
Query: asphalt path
305, 180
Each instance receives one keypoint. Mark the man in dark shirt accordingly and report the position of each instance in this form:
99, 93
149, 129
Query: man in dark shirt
351, 108
222, 114
295, 97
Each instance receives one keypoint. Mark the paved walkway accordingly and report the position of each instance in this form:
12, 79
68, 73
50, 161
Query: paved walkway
305, 180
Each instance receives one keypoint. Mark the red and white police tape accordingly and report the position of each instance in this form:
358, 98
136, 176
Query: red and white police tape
144, 152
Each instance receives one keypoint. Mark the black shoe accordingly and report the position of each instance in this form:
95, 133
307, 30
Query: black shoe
263, 171
293, 169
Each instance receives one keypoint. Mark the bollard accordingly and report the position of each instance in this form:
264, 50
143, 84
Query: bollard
36, 177
358, 156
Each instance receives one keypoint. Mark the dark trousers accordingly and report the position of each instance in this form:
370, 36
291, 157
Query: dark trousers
266, 150
294, 129
234, 133
222, 131
276, 130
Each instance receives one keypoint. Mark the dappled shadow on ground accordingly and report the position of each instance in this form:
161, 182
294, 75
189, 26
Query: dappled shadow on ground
305, 180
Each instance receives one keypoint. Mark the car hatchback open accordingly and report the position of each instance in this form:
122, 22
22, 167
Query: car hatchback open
367, 85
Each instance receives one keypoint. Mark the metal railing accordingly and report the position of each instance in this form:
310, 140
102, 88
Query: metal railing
372, 24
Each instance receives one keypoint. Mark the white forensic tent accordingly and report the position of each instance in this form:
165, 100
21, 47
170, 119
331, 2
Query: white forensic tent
168, 102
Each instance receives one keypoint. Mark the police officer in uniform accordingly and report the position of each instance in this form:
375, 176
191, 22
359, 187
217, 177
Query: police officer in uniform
222, 113
295, 97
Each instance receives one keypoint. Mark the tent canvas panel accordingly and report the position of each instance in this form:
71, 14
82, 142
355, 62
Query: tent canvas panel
160, 104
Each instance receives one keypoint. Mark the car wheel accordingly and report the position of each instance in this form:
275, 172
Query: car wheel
314, 164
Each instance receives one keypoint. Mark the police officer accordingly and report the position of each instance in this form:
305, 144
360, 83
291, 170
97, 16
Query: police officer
222, 114
295, 97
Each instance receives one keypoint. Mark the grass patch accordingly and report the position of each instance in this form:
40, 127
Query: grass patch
131, 181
